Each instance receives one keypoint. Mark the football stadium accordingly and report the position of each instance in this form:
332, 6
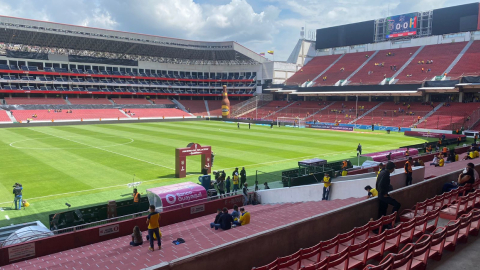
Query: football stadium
136, 151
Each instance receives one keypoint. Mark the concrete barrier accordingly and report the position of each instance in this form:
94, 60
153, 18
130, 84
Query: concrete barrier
341, 188
262, 248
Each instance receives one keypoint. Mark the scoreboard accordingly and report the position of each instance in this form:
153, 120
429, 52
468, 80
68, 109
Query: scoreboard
401, 25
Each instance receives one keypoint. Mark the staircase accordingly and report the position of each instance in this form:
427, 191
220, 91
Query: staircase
151, 102
9, 113
111, 101
429, 114
180, 106
459, 56
126, 114
250, 105
331, 65
279, 110
406, 64
319, 110
366, 113
359, 68
68, 101
206, 106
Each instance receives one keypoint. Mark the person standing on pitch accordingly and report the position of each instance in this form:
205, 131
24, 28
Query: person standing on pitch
249, 125
238, 124
213, 157
408, 171
136, 200
359, 149
243, 176
17, 191
271, 124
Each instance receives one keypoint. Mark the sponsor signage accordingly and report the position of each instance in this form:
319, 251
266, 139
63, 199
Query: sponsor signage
109, 230
21, 252
197, 209
331, 127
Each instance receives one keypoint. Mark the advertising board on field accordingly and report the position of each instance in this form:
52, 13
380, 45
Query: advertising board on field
331, 127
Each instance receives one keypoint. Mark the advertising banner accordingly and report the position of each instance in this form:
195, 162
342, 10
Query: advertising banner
320, 126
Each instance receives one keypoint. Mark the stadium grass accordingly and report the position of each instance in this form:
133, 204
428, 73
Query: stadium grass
90, 164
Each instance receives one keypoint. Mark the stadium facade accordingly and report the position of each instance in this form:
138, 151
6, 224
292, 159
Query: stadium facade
39, 57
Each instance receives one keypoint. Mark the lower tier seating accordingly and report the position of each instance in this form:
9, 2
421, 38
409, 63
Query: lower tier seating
48, 115
4, 117
145, 113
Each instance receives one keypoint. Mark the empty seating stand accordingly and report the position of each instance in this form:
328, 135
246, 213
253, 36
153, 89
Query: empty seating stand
312, 69
89, 101
374, 74
4, 117
85, 114
468, 64
126, 101
195, 107
442, 56
157, 113
388, 114
452, 117
35, 101
349, 62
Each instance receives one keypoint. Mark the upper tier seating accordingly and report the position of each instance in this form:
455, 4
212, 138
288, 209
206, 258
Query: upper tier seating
388, 115
34, 101
468, 64
140, 101
162, 101
145, 113
442, 56
88, 101
349, 62
45, 115
311, 70
398, 58
4, 117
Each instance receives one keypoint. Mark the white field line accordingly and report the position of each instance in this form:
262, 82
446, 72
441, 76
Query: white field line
6, 216
316, 155
99, 148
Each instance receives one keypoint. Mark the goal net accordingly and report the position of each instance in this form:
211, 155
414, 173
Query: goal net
290, 122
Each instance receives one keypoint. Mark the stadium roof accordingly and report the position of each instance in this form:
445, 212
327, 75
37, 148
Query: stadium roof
47, 34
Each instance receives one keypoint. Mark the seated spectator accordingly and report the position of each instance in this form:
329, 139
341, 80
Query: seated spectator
136, 237
235, 213
266, 185
225, 221
441, 161
244, 218
467, 177
217, 219
421, 163
371, 192
416, 163
434, 161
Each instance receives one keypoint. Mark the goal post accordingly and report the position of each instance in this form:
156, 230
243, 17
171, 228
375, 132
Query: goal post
290, 122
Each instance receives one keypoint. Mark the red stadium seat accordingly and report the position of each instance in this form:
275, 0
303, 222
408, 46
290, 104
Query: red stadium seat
386, 264
376, 246
453, 228
421, 250
392, 238
403, 260
464, 228
438, 243
475, 226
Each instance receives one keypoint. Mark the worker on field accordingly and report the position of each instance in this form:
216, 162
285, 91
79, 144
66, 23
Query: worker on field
459, 139
408, 171
136, 200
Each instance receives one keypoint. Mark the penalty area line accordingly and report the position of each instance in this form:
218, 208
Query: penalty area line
109, 151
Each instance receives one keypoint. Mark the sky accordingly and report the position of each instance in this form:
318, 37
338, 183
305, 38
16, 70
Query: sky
260, 25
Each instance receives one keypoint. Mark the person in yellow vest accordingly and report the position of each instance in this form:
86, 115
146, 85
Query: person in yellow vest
476, 153
326, 187
235, 181
408, 171
441, 161
244, 218
153, 220
471, 154
371, 192
456, 157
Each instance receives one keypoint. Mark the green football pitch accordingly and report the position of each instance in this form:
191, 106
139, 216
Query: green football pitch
90, 164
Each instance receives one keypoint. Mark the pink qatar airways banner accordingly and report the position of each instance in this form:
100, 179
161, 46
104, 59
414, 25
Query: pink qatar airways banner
182, 194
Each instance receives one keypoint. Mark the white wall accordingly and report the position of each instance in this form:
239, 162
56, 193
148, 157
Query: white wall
339, 189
